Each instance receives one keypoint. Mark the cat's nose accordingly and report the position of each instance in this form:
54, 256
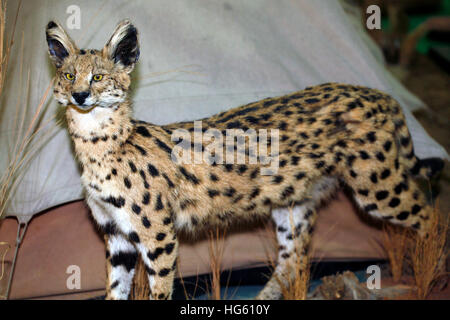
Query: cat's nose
80, 97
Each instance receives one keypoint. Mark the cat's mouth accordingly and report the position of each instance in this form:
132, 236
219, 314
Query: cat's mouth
83, 108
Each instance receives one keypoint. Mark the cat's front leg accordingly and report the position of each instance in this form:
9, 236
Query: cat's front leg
121, 255
157, 244
121, 258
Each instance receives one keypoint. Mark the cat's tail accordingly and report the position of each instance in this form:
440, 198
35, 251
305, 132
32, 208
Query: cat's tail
426, 168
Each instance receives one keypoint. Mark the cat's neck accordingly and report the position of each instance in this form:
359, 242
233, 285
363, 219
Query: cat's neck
100, 130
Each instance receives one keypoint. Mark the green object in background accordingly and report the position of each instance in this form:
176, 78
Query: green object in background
424, 44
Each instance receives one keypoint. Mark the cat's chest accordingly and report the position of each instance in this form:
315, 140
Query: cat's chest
100, 183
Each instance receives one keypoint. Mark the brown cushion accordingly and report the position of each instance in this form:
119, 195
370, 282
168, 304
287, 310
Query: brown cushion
66, 236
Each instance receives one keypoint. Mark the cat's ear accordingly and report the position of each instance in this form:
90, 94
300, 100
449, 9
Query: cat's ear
123, 46
60, 46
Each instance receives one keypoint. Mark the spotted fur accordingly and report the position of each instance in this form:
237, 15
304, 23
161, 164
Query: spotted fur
330, 135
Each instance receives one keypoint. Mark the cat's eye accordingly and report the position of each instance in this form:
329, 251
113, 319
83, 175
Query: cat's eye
98, 77
69, 76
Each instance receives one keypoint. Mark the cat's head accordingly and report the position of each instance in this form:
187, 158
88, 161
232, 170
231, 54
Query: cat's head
88, 78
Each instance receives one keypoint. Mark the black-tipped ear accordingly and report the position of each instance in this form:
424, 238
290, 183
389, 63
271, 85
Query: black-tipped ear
60, 46
123, 46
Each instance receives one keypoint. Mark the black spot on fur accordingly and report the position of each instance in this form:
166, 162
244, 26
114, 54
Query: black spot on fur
295, 160
138, 148
169, 247
404, 141
133, 237
160, 236
287, 192
228, 167
145, 222
114, 284
313, 100
159, 205
242, 168
163, 146
152, 170
304, 135
364, 155
381, 195
363, 192
373, 177
371, 136
110, 228
146, 198
213, 193
255, 192
150, 271
403, 215
132, 166
169, 182
371, 207
317, 132
380, 156
127, 182
394, 202
415, 209
155, 254
143, 131
300, 175
282, 126
320, 164
189, 176
277, 179
387, 146
126, 259
399, 188
118, 202
386, 173
164, 272
136, 209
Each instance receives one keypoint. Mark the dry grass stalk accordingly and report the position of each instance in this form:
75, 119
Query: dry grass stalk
294, 285
297, 286
25, 132
2, 259
5, 45
25, 144
297, 279
395, 245
140, 289
428, 254
216, 246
